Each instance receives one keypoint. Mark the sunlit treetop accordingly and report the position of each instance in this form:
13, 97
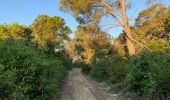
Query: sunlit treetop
49, 31
3, 32
15, 31
88, 10
154, 21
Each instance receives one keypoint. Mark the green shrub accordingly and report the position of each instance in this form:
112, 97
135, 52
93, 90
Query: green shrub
20, 66
26, 74
79, 64
67, 63
111, 69
52, 76
85, 68
117, 69
150, 74
99, 71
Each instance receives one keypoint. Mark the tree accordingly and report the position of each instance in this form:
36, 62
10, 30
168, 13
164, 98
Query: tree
87, 10
90, 43
154, 20
15, 31
49, 32
152, 26
3, 32
20, 31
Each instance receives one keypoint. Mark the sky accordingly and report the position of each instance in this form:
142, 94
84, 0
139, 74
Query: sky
25, 12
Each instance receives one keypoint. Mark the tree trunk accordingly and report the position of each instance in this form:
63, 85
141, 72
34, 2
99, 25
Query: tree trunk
130, 45
127, 31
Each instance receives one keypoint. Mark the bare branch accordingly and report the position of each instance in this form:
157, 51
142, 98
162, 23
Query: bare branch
142, 45
113, 27
118, 21
105, 25
127, 2
110, 9
97, 6
131, 16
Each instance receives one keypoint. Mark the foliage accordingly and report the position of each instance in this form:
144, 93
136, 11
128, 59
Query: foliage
85, 67
110, 69
117, 72
49, 32
27, 74
146, 73
90, 42
20, 32
158, 45
3, 32
99, 70
149, 75
53, 77
79, 8
152, 22
90, 13
16, 31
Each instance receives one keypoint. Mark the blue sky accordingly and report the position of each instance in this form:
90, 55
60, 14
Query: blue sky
25, 11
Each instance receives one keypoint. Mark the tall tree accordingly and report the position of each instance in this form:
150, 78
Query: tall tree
153, 21
87, 10
20, 31
49, 32
152, 26
3, 32
90, 43
16, 31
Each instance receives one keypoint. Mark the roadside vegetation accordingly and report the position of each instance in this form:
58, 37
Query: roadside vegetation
30, 69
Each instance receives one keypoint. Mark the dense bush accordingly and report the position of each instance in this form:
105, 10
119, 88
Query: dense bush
53, 76
67, 62
99, 70
117, 70
25, 74
85, 67
111, 69
150, 74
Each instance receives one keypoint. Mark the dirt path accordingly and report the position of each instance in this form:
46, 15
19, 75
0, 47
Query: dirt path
78, 87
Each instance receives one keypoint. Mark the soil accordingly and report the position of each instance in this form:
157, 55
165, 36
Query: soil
78, 86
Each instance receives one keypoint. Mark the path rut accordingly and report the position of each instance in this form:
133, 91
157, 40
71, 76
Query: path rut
77, 87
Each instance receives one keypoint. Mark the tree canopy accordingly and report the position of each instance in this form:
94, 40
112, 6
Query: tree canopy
49, 31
